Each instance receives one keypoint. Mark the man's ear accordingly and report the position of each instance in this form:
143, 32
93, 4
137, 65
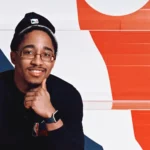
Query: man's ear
13, 57
53, 63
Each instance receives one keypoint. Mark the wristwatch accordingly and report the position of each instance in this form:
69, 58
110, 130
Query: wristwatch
54, 118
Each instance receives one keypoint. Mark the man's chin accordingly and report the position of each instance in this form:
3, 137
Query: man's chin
34, 84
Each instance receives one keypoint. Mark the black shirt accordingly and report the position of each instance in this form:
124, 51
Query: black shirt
17, 122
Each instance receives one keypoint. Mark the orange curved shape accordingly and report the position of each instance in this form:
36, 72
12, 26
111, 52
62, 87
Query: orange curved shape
128, 62
127, 58
90, 19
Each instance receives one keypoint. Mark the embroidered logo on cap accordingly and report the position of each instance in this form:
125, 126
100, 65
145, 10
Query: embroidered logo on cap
34, 21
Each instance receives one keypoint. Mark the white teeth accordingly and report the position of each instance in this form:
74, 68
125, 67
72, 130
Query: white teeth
36, 71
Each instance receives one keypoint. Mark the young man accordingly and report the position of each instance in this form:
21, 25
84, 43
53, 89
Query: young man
37, 109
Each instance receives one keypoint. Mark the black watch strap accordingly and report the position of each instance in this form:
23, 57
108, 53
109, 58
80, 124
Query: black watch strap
54, 118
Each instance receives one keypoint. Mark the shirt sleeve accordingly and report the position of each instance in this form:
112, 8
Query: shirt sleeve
70, 136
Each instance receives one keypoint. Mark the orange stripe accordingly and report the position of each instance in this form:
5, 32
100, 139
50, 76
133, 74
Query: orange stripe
143, 105
141, 124
128, 80
116, 38
123, 48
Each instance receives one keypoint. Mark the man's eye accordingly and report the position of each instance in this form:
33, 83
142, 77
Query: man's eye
27, 52
47, 55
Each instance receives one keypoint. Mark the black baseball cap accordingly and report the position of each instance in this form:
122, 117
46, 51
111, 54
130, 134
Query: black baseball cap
30, 22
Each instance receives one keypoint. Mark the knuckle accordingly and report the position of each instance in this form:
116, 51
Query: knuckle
36, 98
36, 93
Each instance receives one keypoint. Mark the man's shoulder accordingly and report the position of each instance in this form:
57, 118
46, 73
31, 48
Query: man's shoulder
6, 81
60, 84
64, 92
6, 76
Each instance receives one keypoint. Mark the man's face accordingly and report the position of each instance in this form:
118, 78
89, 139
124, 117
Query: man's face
33, 71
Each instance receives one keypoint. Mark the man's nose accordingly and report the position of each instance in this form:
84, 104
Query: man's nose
37, 60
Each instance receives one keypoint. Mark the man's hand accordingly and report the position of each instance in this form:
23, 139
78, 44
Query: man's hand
39, 100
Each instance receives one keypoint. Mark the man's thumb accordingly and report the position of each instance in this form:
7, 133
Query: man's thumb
44, 84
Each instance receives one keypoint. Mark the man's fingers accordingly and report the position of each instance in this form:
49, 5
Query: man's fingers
34, 94
34, 90
44, 84
28, 101
28, 104
29, 98
28, 94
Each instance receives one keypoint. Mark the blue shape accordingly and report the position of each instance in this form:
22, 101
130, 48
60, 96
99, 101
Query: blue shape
4, 63
91, 145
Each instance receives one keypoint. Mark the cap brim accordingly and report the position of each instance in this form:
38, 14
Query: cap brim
42, 27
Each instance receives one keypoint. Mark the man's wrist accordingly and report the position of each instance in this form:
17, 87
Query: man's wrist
54, 126
54, 122
55, 116
50, 112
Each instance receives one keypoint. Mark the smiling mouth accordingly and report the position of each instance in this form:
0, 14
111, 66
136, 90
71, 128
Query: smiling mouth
36, 72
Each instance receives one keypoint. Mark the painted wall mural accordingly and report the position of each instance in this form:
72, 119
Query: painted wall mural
104, 51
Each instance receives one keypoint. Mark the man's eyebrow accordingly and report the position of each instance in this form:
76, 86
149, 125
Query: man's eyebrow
32, 46
28, 46
48, 48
